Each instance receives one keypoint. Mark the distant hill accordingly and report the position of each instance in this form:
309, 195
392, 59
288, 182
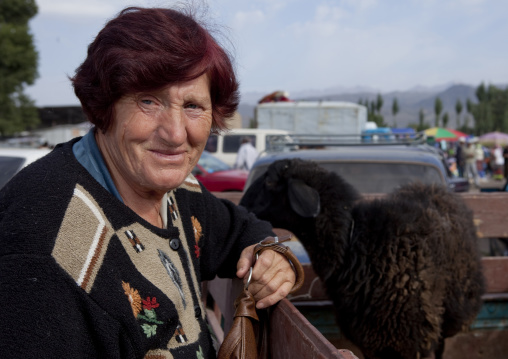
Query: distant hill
410, 102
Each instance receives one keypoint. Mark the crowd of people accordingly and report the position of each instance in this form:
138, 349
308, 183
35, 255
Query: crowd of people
470, 159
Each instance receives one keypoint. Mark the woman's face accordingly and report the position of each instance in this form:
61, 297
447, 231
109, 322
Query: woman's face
157, 137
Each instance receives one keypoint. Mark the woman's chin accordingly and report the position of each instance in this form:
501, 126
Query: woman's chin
168, 180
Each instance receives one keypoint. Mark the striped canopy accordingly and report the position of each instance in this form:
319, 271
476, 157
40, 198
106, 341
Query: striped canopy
446, 134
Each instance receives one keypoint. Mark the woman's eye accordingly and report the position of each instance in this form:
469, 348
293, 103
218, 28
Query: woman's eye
192, 106
148, 104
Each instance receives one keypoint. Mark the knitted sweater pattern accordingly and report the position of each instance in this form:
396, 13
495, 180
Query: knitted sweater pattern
91, 278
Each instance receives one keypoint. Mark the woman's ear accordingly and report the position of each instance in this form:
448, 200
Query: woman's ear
304, 200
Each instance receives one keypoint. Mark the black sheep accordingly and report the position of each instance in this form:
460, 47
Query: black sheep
403, 271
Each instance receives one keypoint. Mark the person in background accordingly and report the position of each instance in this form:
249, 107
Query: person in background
106, 240
460, 158
480, 160
470, 155
246, 156
499, 162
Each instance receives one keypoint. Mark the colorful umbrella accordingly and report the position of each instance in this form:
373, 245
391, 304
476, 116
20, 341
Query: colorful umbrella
446, 134
494, 138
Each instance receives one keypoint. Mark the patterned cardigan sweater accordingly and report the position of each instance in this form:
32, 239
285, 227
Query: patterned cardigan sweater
83, 276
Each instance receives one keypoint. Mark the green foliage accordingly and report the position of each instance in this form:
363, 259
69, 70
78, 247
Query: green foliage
253, 123
18, 113
377, 118
438, 107
421, 122
480, 93
458, 110
17, 11
374, 110
491, 111
395, 107
395, 110
372, 107
379, 103
18, 66
445, 119
469, 106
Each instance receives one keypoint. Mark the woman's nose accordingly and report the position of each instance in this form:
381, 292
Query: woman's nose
172, 126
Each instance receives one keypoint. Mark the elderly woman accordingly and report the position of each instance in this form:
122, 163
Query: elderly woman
106, 240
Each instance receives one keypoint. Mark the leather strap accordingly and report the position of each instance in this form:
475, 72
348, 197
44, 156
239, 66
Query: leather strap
246, 336
275, 244
240, 342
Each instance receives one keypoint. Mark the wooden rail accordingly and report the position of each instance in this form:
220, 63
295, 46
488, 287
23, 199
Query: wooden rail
490, 210
292, 334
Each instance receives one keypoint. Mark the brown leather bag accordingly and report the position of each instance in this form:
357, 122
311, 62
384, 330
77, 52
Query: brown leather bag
246, 338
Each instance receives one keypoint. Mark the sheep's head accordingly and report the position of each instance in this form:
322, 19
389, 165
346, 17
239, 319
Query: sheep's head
281, 195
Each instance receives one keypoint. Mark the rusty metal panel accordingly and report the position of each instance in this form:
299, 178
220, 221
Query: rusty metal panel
482, 344
490, 213
292, 336
495, 270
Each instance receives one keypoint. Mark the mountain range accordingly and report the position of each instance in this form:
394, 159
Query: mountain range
410, 102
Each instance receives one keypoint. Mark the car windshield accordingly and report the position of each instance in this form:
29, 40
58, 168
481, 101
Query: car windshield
9, 166
377, 177
382, 177
212, 164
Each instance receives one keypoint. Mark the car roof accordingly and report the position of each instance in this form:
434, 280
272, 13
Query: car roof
12, 160
268, 131
30, 154
413, 158
409, 154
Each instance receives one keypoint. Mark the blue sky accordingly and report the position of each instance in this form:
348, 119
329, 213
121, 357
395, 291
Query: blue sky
297, 45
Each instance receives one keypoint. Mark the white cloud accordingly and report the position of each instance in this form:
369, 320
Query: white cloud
327, 13
75, 7
244, 19
90, 8
362, 4
468, 2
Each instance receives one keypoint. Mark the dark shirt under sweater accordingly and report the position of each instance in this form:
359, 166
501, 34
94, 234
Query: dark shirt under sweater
83, 276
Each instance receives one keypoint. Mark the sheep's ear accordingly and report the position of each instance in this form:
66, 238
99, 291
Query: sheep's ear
304, 199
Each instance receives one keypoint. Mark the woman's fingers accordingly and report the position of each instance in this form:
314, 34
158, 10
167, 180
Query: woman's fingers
272, 279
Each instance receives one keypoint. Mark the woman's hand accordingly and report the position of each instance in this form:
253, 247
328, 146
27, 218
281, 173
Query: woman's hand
272, 276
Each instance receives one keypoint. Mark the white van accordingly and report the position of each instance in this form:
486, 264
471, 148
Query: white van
225, 146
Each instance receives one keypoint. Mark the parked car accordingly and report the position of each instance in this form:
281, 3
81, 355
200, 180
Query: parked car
375, 168
225, 147
12, 160
218, 176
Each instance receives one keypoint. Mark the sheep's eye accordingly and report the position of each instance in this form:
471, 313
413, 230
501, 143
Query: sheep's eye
270, 183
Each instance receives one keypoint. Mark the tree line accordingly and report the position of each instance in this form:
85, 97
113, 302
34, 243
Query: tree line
489, 114
491, 111
18, 66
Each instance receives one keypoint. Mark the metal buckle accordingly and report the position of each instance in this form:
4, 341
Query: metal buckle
248, 279
275, 242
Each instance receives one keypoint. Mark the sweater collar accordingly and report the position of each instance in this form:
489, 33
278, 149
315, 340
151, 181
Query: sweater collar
88, 154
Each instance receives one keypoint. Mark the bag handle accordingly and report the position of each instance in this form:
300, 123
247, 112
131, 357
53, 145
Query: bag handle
275, 244
241, 341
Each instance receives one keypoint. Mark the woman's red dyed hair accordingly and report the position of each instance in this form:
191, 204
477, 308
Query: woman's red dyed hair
146, 49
